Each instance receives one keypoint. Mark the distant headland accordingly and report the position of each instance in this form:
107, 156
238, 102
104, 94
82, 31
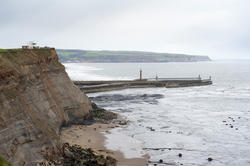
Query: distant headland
86, 56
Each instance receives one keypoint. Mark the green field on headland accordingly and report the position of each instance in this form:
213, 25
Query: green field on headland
3, 50
124, 56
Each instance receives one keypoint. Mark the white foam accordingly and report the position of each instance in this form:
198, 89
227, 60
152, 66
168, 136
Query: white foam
84, 72
130, 147
193, 117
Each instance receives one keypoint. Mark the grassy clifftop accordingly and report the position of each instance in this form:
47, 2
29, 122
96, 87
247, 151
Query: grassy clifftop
3, 50
124, 56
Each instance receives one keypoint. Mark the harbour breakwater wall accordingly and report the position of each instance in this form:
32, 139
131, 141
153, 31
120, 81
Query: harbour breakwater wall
101, 86
36, 98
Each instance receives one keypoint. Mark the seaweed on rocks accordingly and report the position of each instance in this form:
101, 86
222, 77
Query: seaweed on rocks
114, 99
98, 113
75, 155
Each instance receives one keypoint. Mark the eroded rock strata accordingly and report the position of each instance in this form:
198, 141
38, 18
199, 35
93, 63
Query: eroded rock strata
36, 99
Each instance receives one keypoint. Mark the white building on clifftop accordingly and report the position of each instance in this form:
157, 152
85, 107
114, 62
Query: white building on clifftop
31, 45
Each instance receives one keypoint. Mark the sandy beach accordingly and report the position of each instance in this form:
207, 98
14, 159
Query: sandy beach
92, 136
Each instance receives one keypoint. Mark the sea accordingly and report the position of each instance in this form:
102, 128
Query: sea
180, 126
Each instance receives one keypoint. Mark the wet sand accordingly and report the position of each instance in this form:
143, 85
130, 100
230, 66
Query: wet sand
92, 136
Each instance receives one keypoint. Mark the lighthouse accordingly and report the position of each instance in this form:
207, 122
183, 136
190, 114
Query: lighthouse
140, 74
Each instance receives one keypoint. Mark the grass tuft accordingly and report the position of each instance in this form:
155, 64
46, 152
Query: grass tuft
3, 162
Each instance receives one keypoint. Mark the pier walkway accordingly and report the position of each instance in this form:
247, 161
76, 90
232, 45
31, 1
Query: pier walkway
101, 86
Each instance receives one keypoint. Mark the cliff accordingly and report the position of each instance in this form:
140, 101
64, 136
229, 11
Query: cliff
124, 56
36, 99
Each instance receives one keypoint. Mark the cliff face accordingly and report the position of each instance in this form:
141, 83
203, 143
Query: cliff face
36, 98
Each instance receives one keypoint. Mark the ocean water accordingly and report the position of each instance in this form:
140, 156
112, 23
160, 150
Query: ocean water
198, 122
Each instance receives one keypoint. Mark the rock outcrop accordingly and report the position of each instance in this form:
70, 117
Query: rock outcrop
36, 99
68, 155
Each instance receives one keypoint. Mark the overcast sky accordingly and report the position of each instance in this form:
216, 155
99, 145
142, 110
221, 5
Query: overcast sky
218, 28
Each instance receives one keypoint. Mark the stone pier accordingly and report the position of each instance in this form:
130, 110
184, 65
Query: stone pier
101, 86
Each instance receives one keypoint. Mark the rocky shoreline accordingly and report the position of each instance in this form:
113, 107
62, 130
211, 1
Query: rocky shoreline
83, 144
67, 155
91, 136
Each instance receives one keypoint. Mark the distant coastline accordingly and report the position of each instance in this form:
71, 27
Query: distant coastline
86, 56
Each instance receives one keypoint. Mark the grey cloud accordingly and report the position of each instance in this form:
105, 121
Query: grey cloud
215, 28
